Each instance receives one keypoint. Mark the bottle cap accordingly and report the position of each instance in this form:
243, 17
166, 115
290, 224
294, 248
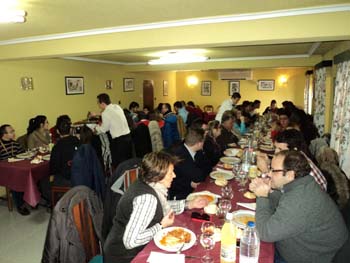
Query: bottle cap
251, 224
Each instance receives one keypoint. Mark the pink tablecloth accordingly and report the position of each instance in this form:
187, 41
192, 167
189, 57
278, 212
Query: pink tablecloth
184, 220
23, 176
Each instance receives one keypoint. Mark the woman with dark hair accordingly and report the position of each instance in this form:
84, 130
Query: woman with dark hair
144, 209
272, 108
38, 132
211, 148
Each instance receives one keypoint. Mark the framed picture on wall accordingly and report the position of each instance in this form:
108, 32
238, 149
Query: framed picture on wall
266, 84
233, 86
109, 84
128, 84
165, 87
206, 88
74, 85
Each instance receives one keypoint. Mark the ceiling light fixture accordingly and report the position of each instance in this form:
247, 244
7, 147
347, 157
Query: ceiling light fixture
178, 57
12, 16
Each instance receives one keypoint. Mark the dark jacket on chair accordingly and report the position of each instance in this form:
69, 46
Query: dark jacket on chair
87, 170
112, 198
142, 140
63, 242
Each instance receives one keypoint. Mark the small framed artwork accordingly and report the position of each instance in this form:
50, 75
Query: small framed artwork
74, 85
165, 87
206, 88
266, 84
129, 84
27, 83
233, 86
109, 84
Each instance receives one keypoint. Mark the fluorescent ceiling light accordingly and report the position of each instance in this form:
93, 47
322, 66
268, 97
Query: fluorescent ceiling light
12, 16
178, 57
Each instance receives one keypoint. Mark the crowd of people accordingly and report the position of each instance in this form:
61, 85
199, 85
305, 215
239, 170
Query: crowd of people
299, 203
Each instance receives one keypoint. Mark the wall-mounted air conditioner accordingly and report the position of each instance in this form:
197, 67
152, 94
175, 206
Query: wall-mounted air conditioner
239, 74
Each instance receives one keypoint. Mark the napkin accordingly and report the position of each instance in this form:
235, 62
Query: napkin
157, 257
251, 206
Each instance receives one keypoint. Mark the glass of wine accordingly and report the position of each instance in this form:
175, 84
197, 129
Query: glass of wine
208, 243
208, 228
227, 192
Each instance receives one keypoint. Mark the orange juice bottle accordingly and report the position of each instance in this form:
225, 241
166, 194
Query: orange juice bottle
228, 241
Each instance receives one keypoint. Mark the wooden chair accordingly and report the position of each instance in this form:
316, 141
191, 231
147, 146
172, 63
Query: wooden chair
57, 190
83, 222
129, 177
208, 108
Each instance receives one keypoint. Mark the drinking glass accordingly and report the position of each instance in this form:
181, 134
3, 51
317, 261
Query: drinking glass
224, 207
242, 180
208, 243
227, 192
208, 228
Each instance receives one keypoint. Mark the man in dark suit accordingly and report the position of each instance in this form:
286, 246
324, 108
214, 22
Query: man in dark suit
193, 167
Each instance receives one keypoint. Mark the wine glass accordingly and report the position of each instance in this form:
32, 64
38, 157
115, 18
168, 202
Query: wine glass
208, 243
227, 192
242, 180
224, 207
208, 228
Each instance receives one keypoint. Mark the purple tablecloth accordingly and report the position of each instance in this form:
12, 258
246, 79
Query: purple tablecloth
23, 176
184, 220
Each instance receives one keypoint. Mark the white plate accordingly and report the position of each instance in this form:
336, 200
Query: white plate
230, 160
231, 152
218, 174
26, 155
203, 193
158, 237
46, 157
239, 214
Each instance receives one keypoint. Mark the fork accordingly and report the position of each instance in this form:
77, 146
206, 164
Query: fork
180, 249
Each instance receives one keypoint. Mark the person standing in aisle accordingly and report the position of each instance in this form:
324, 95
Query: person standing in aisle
228, 105
114, 122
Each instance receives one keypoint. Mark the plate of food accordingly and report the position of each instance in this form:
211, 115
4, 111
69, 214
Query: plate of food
232, 152
171, 239
212, 198
230, 160
242, 217
25, 155
221, 175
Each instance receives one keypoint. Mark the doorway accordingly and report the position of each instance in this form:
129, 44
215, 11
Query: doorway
148, 96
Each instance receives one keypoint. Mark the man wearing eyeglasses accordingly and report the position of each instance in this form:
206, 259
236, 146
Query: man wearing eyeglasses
298, 216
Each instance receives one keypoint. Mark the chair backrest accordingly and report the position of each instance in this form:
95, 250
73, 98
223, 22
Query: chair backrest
130, 176
208, 108
83, 222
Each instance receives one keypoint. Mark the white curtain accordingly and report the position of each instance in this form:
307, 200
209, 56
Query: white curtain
340, 134
320, 99
308, 92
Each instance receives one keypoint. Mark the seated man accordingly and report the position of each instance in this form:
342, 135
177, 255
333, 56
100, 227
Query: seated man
293, 140
226, 137
62, 154
193, 167
298, 216
10, 148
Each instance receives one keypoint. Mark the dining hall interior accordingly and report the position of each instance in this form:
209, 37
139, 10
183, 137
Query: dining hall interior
56, 57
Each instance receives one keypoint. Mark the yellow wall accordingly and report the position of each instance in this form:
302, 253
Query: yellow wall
293, 90
49, 98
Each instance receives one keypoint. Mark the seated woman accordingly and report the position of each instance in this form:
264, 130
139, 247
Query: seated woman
211, 148
38, 132
239, 124
62, 154
144, 210
226, 137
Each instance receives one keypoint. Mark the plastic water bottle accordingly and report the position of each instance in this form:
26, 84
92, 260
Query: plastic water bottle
228, 241
250, 245
246, 160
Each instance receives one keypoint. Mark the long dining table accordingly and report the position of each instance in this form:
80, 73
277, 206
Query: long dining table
22, 176
195, 253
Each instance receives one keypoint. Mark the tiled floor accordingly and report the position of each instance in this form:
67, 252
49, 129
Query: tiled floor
22, 237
